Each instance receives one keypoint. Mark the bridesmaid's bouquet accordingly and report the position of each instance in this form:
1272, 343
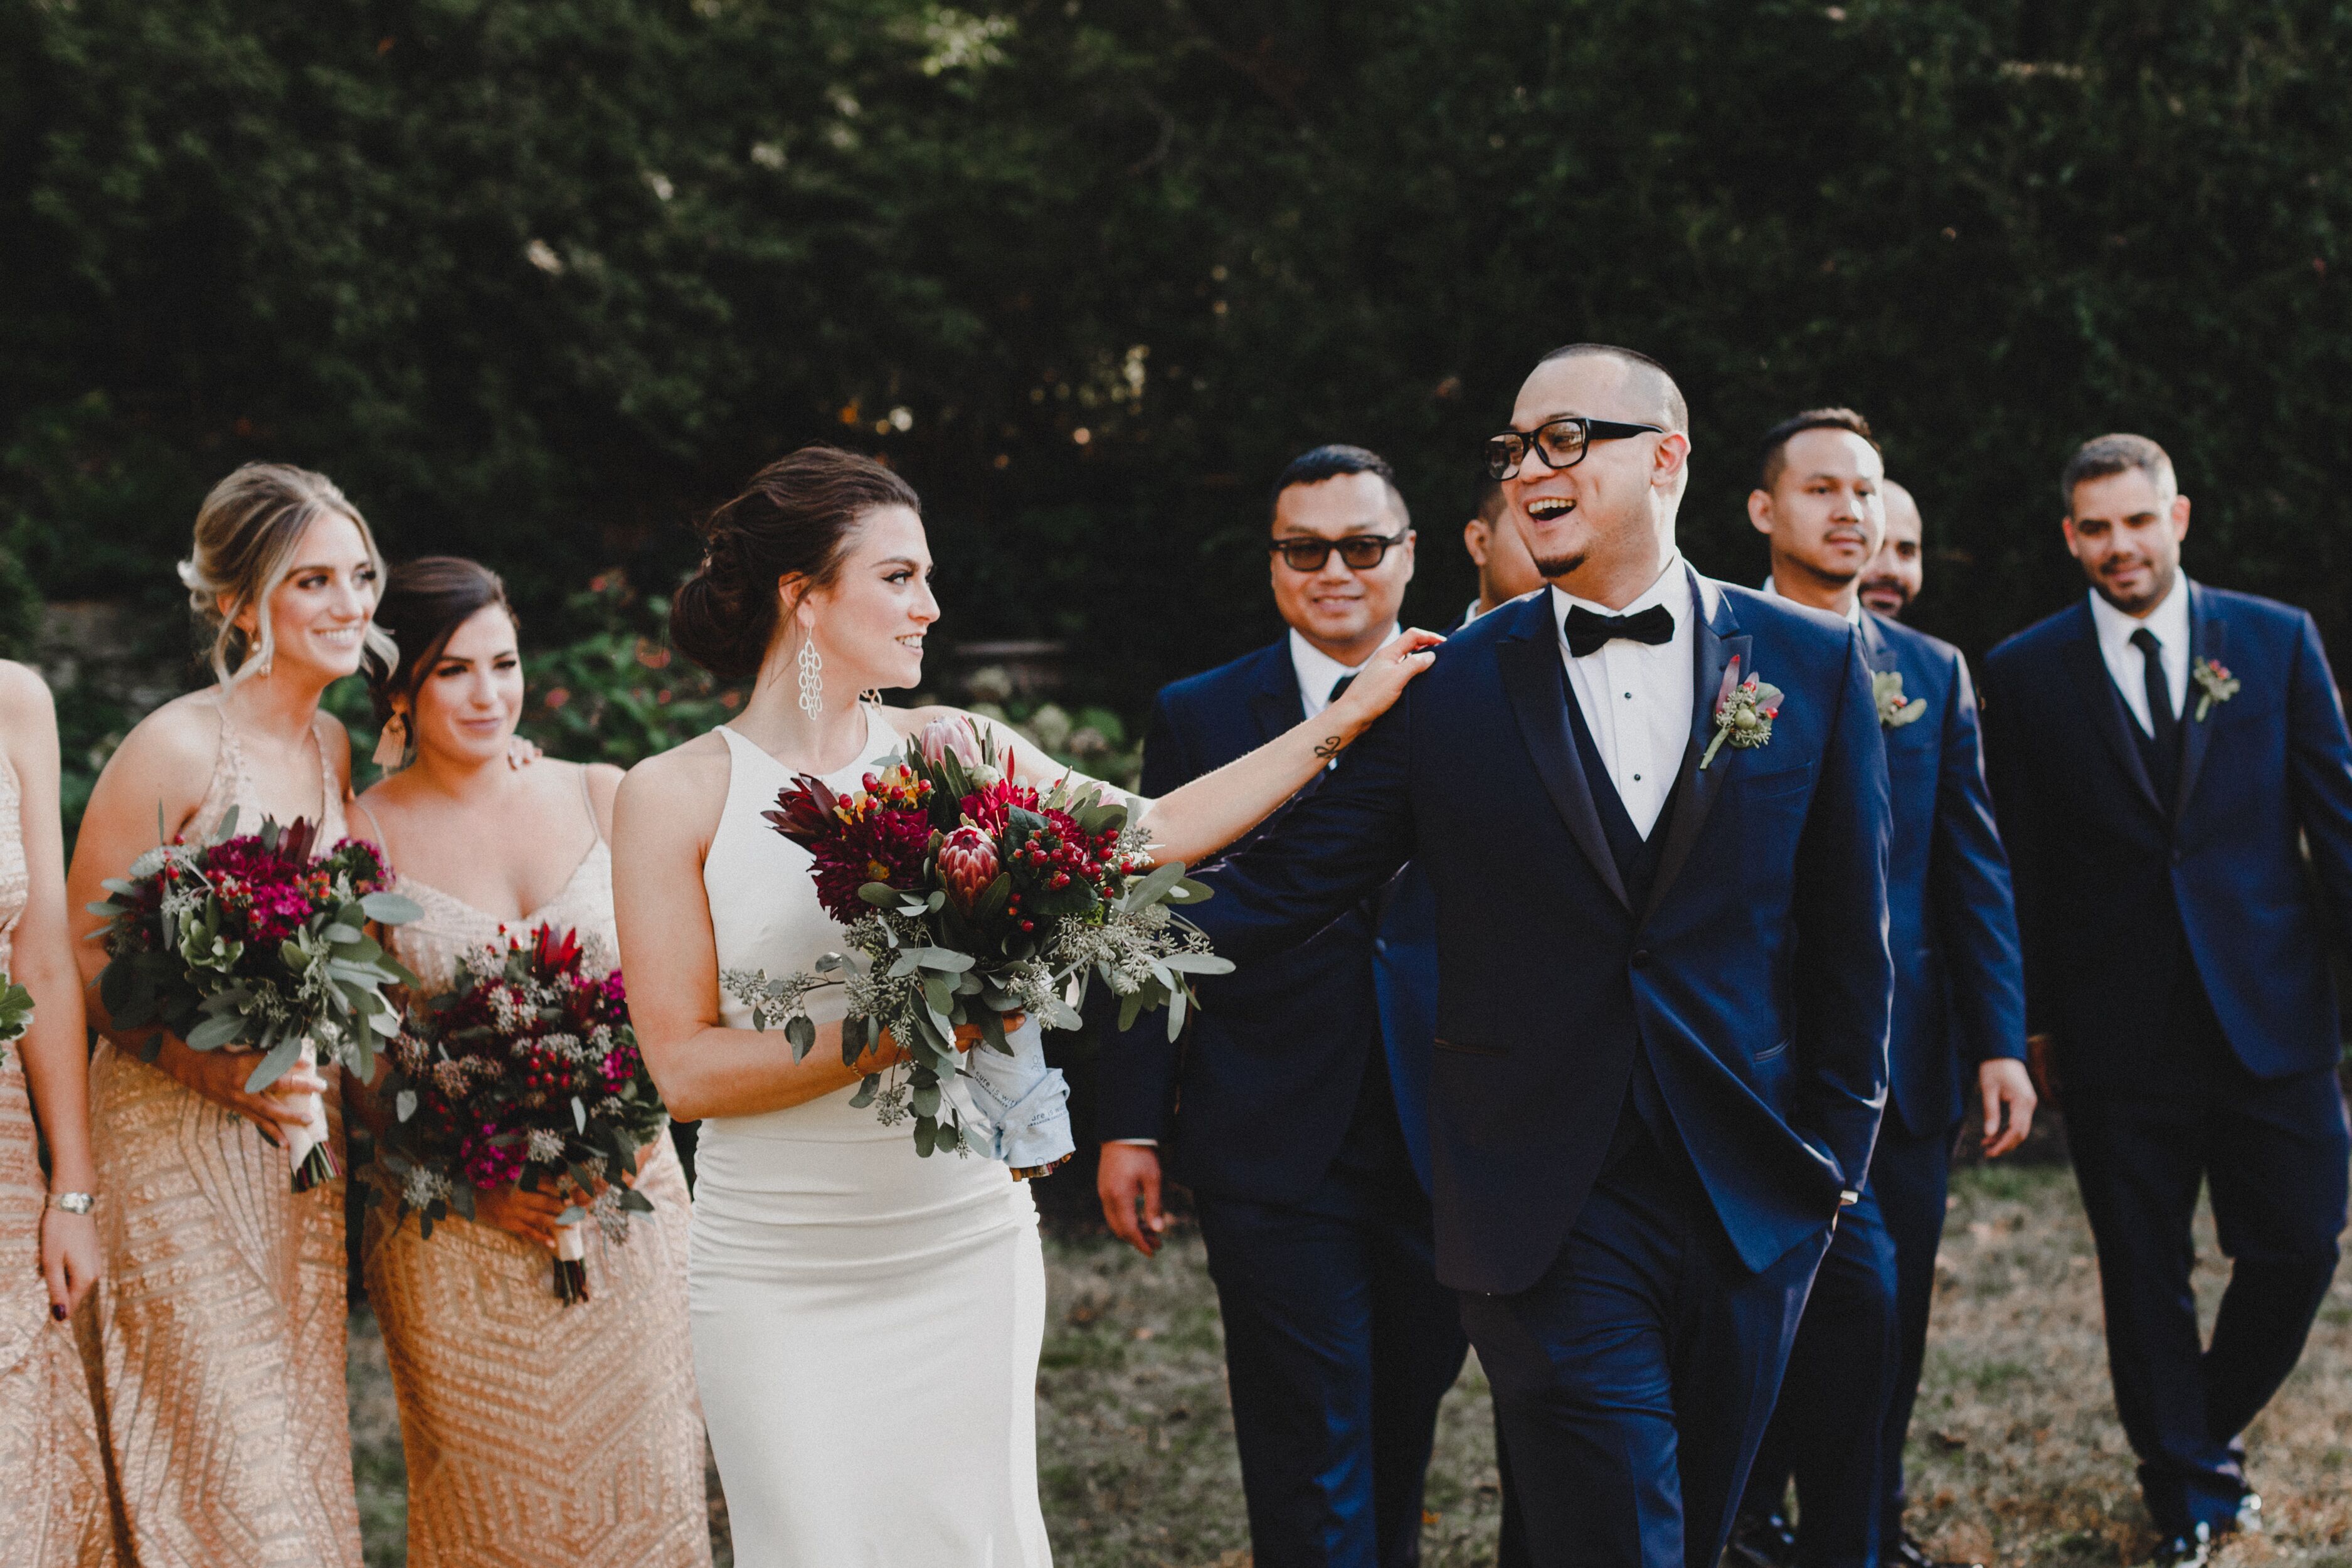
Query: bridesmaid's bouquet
525, 1070
16, 1013
254, 942
969, 897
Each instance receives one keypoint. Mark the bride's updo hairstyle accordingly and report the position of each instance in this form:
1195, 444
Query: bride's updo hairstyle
425, 601
246, 533
796, 518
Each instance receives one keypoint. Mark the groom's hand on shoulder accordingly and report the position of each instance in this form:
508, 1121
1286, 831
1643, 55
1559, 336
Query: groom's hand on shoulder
1128, 1181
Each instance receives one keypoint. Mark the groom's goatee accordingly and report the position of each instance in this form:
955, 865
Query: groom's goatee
1559, 566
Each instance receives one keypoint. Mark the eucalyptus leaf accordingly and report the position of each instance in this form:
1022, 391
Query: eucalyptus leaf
390, 908
274, 1064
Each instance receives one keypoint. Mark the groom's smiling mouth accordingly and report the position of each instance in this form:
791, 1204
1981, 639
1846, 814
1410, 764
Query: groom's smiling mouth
1544, 509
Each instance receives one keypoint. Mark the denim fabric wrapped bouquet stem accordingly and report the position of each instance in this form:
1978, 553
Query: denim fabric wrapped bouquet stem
253, 942
968, 898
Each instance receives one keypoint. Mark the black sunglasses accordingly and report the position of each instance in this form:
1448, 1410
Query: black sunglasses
1360, 552
1561, 443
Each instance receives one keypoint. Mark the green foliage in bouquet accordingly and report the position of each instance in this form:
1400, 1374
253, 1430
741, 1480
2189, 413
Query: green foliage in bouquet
16, 1013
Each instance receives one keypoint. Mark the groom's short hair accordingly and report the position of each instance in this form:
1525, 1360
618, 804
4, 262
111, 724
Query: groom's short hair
1672, 406
1329, 462
1772, 452
2104, 455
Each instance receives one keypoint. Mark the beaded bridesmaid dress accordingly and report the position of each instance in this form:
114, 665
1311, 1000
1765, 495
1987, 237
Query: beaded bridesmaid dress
221, 1317
50, 1465
537, 1433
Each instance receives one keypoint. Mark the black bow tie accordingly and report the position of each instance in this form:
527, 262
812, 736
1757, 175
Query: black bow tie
1589, 631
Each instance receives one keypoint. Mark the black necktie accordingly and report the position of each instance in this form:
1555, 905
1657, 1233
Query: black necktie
1339, 687
2161, 720
1589, 631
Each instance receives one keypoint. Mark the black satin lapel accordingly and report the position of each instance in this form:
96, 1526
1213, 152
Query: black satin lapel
1537, 687
1695, 790
2209, 638
2107, 713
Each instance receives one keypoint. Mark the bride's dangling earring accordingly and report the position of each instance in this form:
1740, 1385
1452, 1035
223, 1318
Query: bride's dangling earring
811, 678
871, 697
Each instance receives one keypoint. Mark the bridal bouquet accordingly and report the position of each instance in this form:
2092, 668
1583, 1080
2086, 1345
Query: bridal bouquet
969, 897
16, 1013
254, 942
526, 1070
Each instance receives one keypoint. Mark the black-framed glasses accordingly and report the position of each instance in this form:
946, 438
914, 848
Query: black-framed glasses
1360, 552
1560, 443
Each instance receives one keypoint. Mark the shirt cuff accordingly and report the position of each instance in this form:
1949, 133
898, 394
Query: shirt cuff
1135, 1142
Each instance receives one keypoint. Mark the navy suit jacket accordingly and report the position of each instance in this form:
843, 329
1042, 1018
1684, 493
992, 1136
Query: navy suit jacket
1959, 981
1755, 974
2103, 867
1256, 1099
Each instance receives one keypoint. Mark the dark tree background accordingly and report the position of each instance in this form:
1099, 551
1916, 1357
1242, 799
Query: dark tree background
535, 281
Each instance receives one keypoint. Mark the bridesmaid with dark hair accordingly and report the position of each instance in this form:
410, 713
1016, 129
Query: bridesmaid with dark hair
55, 1479
496, 1376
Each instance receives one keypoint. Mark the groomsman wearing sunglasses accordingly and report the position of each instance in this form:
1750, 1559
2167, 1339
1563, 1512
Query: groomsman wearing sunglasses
1959, 1017
2174, 786
1662, 1001
1295, 1107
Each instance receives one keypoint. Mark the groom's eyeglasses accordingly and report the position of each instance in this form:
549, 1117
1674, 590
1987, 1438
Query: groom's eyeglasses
1561, 443
1362, 551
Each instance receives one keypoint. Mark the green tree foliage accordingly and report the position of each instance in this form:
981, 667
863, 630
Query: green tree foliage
537, 281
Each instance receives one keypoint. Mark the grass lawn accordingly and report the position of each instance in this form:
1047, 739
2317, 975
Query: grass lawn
2016, 1457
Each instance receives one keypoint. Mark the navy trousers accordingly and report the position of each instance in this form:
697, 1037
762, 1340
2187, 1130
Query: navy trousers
2273, 1154
1339, 1345
1911, 1178
1634, 1378
1828, 1428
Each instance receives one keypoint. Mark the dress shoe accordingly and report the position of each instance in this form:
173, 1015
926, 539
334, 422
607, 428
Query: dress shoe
1908, 1554
1761, 1541
2194, 1550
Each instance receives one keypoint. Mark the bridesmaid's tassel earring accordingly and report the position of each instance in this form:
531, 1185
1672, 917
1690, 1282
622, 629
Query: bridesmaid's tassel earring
391, 746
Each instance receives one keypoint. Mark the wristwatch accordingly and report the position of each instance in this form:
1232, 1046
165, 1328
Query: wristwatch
72, 1202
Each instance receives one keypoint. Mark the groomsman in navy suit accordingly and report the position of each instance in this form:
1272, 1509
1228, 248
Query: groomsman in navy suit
2174, 786
1663, 982
1296, 1109
1959, 1015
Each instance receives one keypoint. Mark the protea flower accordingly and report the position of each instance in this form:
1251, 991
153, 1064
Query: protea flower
942, 736
967, 865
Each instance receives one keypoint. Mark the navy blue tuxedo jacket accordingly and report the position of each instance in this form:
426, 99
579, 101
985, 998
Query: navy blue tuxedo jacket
2103, 867
1755, 974
1959, 981
1256, 1099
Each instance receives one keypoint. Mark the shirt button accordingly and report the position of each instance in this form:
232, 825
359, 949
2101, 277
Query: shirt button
1637, 778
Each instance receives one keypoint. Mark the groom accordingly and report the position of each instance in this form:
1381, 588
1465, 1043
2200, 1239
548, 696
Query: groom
1664, 987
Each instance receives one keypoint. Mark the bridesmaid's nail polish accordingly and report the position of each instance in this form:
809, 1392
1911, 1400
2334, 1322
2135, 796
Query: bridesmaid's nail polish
57, 1311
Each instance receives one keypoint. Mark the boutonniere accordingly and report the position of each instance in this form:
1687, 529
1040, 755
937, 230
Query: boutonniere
2215, 684
1886, 691
1744, 712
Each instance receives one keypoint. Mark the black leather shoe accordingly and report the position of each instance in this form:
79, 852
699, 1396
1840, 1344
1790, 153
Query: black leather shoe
2194, 1550
1761, 1541
1908, 1554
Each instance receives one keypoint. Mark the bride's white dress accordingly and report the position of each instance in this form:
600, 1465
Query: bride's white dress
866, 1321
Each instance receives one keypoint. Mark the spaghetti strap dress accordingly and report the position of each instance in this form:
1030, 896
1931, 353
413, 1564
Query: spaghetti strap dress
54, 1475
222, 1313
537, 1433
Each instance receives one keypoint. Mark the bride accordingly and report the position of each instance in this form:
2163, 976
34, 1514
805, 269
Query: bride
866, 1321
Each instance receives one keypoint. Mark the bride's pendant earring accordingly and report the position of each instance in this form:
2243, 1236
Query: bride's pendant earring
391, 746
871, 696
811, 678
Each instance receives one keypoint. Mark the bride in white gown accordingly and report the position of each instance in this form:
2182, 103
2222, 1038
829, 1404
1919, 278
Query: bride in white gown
866, 1321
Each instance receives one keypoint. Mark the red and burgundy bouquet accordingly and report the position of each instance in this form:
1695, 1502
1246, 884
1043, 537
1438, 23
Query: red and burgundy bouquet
525, 1070
969, 896
254, 942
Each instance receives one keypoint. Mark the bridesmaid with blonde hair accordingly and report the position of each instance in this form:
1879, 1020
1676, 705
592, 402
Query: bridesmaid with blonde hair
490, 1368
49, 1242
221, 1320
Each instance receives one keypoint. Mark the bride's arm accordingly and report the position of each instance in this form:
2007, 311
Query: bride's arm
1194, 822
662, 818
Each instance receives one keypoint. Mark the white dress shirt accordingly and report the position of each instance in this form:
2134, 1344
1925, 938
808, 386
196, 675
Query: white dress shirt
2126, 665
1637, 697
1852, 608
1318, 671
